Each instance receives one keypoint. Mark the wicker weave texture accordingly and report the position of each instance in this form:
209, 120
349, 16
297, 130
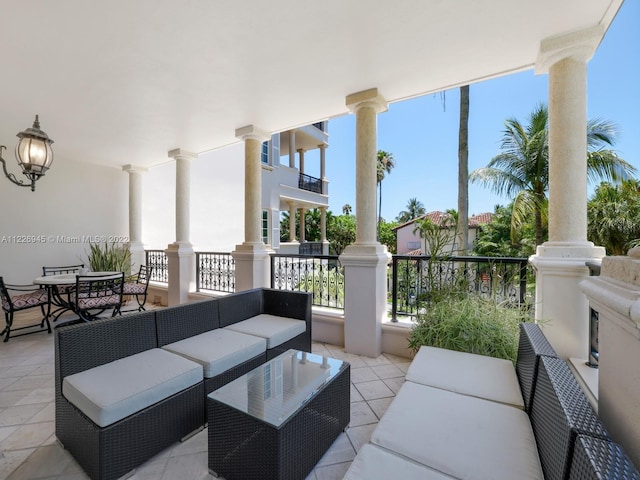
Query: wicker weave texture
242, 447
598, 459
187, 320
240, 306
532, 344
560, 411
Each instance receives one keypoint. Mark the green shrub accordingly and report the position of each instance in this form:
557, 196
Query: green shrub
109, 258
469, 323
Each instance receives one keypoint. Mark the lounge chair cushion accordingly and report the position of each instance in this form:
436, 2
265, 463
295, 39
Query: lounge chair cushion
480, 376
219, 350
375, 462
275, 330
459, 435
115, 390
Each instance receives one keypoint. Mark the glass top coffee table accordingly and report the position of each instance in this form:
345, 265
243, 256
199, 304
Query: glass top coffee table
278, 420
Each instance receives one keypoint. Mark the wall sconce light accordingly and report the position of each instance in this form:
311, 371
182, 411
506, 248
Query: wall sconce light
34, 155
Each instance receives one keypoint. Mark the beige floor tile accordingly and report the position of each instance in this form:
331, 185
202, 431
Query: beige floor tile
10, 461
38, 395
6, 432
355, 394
28, 436
10, 399
27, 383
373, 390
332, 472
380, 360
49, 461
358, 436
193, 467
46, 414
20, 414
379, 405
394, 383
361, 414
387, 371
340, 451
363, 374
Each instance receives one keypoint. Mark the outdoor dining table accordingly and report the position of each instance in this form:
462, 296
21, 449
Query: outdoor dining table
58, 285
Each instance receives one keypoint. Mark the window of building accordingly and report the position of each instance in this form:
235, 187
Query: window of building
265, 227
413, 245
265, 153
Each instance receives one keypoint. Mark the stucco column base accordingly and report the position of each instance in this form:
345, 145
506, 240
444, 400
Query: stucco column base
253, 266
138, 256
365, 303
615, 295
182, 274
561, 308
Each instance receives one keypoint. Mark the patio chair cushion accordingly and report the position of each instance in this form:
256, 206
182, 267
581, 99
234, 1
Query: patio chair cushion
459, 435
219, 350
86, 301
26, 300
375, 462
133, 288
275, 330
115, 390
479, 376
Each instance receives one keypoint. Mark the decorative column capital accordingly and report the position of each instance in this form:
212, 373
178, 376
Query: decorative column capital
579, 45
251, 132
134, 169
180, 154
367, 98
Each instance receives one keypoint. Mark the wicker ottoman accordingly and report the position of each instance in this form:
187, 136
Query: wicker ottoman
278, 420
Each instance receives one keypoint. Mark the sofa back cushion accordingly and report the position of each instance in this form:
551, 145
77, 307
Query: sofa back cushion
240, 306
559, 412
283, 303
83, 346
186, 320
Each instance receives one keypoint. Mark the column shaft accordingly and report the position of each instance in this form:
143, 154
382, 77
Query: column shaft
183, 198
303, 234
322, 148
292, 223
568, 151
323, 224
301, 155
366, 148
292, 149
252, 191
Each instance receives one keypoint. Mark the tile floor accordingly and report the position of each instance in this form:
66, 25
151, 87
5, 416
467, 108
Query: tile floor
29, 450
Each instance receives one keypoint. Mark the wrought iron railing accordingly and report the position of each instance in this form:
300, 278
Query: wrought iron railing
215, 271
321, 275
158, 260
594, 322
416, 280
309, 183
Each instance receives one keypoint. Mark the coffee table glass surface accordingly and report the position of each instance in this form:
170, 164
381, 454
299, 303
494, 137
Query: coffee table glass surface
277, 389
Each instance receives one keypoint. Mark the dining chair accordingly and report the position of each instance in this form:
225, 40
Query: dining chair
28, 296
92, 295
139, 286
62, 290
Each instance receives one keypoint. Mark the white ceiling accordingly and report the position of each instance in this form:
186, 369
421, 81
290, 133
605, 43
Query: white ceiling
125, 81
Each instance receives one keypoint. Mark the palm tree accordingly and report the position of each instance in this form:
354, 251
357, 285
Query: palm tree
415, 209
521, 171
614, 216
346, 209
385, 165
463, 171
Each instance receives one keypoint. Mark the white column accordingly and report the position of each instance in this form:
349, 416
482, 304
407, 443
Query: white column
323, 179
365, 262
292, 149
560, 265
323, 230
303, 233
301, 159
180, 254
252, 257
615, 295
292, 222
136, 247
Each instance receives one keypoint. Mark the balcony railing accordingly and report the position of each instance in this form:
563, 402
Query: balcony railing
215, 271
158, 260
416, 279
321, 275
309, 183
594, 322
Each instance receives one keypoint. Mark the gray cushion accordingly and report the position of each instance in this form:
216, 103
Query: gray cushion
476, 375
459, 435
219, 350
115, 390
275, 330
375, 463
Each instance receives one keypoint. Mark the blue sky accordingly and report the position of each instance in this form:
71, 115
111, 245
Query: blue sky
422, 133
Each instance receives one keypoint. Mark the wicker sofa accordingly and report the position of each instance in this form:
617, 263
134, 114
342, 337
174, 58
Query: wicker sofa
460, 415
128, 387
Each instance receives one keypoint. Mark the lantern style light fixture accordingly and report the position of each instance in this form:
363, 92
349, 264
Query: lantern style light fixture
33, 153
